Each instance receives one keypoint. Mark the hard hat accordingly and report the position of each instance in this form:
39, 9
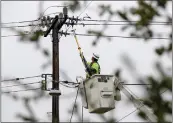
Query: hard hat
96, 56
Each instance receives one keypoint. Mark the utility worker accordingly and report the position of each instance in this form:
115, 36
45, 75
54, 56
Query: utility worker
94, 65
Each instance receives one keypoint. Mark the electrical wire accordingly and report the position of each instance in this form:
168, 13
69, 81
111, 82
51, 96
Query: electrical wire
74, 105
21, 84
20, 21
122, 21
137, 109
16, 79
21, 90
85, 8
111, 36
41, 17
28, 20
66, 82
117, 24
80, 14
152, 22
52, 7
106, 36
36, 19
4, 36
82, 114
89, 24
18, 26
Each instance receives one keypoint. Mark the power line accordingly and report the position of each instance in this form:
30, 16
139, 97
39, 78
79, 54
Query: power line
21, 84
115, 24
89, 24
33, 20
68, 83
123, 21
137, 109
64, 82
80, 14
20, 21
85, 8
108, 36
15, 79
74, 105
41, 17
22, 90
18, 26
131, 22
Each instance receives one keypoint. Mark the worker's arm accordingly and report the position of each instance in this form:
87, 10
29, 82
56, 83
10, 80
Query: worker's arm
87, 69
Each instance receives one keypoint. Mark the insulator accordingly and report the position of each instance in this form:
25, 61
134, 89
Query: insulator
43, 21
72, 19
65, 33
43, 85
77, 19
65, 11
61, 17
68, 23
61, 33
48, 20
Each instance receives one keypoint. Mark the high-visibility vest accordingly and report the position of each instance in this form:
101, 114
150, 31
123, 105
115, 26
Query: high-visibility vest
94, 67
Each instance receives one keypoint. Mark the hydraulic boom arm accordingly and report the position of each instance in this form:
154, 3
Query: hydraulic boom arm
138, 104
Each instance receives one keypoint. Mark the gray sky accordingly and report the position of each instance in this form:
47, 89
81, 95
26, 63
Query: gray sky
22, 59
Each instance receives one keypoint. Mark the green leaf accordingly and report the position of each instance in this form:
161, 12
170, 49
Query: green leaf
46, 52
142, 114
160, 51
123, 15
169, 49
161, 3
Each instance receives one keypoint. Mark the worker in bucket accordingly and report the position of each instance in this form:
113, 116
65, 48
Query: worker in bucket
94, 65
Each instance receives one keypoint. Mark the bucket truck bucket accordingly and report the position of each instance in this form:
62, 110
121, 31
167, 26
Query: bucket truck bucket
98, 92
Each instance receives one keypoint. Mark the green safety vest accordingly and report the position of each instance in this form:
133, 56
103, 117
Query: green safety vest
94, 67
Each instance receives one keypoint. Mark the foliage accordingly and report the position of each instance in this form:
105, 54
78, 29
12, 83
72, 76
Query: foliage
146, 12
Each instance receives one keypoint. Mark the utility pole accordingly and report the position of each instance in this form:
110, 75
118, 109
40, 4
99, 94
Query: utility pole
55, 92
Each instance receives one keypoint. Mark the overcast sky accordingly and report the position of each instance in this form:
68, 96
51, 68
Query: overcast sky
22, 59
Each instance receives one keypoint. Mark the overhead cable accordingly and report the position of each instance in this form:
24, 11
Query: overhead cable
21, 90
87, 24
122, 21
15, 79
21, 84
74, 105
110, 36
80, 14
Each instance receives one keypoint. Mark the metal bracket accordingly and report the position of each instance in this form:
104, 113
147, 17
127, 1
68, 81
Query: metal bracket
55, 92
44, 82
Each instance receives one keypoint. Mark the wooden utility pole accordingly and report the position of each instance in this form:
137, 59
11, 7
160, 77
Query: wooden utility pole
55, 71
55, 92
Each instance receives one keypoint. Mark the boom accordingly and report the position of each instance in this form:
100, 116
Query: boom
137, 103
